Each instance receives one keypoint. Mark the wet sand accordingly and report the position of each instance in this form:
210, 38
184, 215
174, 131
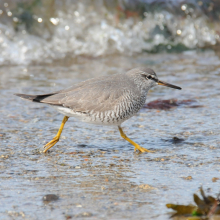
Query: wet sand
93, 171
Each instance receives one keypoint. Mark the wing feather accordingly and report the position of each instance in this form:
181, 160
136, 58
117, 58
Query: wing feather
102, 93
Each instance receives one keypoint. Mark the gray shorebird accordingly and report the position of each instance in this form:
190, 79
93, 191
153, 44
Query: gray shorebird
107, 100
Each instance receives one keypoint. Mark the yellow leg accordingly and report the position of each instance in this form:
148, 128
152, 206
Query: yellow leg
136, 146
57, 137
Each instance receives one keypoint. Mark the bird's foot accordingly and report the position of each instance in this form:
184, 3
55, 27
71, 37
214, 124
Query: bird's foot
136, 146
50, 144
142, 149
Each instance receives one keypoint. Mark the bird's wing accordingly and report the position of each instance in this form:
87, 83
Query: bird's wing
100, 94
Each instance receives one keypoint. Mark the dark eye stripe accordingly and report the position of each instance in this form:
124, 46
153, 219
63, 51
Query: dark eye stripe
152, 77
149, 76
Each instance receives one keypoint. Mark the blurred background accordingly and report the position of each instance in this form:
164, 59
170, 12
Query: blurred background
44, 31
48, 45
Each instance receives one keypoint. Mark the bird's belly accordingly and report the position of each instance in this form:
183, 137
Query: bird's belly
106, 118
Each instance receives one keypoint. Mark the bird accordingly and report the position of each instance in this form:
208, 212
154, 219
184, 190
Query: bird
106, 100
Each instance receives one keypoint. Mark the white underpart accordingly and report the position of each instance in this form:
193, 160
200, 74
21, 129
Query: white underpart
86, 118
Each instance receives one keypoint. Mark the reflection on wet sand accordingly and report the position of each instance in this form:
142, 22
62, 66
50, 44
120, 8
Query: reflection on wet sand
94, 172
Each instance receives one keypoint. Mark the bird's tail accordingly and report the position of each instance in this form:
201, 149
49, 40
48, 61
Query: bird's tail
34, 98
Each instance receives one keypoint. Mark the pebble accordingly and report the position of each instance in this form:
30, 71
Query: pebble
50, 198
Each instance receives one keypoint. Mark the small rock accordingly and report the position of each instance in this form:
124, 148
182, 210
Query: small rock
146, 187
214, 179
50, 198
81, 145
177, 140
187, 178
84, 214
63, 164
68, 217
5, 156
34, 120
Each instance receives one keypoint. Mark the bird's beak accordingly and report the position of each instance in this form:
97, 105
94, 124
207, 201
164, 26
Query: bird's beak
168, 85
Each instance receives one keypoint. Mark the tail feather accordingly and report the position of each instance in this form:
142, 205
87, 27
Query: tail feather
34, 98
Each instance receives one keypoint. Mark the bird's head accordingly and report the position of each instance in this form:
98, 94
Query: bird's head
147, 78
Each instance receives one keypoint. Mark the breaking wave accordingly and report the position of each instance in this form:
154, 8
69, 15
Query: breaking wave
43, 31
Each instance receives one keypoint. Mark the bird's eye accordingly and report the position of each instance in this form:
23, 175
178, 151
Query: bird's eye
148, 77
